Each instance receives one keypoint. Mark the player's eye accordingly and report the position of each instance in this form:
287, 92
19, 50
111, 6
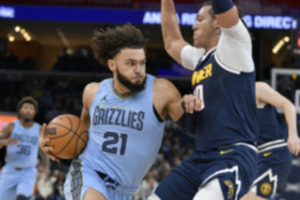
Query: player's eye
131, 63
143, 63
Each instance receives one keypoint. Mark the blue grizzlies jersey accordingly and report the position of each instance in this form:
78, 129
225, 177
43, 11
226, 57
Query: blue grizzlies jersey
25, 154
271, 125
229, 113
125, 134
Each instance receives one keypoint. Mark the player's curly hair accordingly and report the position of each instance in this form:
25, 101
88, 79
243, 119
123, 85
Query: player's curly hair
106, 44
28, 99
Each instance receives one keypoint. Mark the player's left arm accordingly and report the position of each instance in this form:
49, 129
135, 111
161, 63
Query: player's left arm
168, 100
234, 51
268, 95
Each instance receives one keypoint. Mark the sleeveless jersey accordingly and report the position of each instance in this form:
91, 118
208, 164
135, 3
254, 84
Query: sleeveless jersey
229, 113
271, 125
125, 134
25, 154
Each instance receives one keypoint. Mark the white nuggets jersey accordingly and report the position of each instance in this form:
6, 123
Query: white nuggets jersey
25, 154
125, 134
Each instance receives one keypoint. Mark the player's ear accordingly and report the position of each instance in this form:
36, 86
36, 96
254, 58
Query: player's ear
217, 26
111, 64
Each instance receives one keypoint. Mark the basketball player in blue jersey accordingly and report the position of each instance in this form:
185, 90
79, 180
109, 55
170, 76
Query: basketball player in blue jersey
224, 162
125, 115
276, 142
21, 138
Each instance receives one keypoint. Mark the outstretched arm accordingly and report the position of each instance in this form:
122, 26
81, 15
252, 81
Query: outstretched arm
234, 52
226, 12
268, 95
172, 37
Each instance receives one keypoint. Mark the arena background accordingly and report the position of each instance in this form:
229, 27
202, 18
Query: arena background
45, 52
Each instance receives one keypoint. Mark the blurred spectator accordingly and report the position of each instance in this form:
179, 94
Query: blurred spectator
45, 185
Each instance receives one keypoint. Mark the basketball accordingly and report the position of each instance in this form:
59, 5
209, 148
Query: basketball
68, 136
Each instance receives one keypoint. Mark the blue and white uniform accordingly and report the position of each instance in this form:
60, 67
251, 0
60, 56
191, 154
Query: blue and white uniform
226, 127
18, 175
124, 139
274, 157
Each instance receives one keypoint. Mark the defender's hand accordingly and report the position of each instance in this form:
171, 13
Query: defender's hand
191, 103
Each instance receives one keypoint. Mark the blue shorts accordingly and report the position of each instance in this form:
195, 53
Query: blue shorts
17, 181
81, 177
235, 167
274, 167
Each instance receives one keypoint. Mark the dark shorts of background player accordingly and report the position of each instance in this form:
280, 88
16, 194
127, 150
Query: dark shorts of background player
279, 161
235, 166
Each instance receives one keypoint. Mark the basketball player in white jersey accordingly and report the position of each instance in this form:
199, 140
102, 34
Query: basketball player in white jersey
21, 138
125, 116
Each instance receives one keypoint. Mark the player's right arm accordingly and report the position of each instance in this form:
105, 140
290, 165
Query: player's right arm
88, 96
172, 36
4, 136
266, 94
175, 45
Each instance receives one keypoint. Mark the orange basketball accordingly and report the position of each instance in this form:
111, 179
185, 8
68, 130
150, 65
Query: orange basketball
68, 136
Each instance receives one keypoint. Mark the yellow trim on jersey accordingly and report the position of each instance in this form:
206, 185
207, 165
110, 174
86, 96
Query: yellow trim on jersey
118, 95
227, 151
268, 154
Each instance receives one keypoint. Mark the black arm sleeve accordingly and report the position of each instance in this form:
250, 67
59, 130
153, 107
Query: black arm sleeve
187, 123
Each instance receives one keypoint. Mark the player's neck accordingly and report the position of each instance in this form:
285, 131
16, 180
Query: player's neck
213, 43
26, 124
120, 89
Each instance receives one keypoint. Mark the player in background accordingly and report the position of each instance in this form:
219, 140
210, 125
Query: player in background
224, 163
276, 142
21, 138
125, 115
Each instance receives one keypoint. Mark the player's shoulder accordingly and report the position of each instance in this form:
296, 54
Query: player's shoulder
8, 128
162, 83
90, 92
166, 87
92, 86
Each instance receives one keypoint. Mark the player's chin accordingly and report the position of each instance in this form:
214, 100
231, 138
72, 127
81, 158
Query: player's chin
137, 81
28, 119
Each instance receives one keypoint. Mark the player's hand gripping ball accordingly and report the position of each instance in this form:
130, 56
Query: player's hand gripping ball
68, 136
